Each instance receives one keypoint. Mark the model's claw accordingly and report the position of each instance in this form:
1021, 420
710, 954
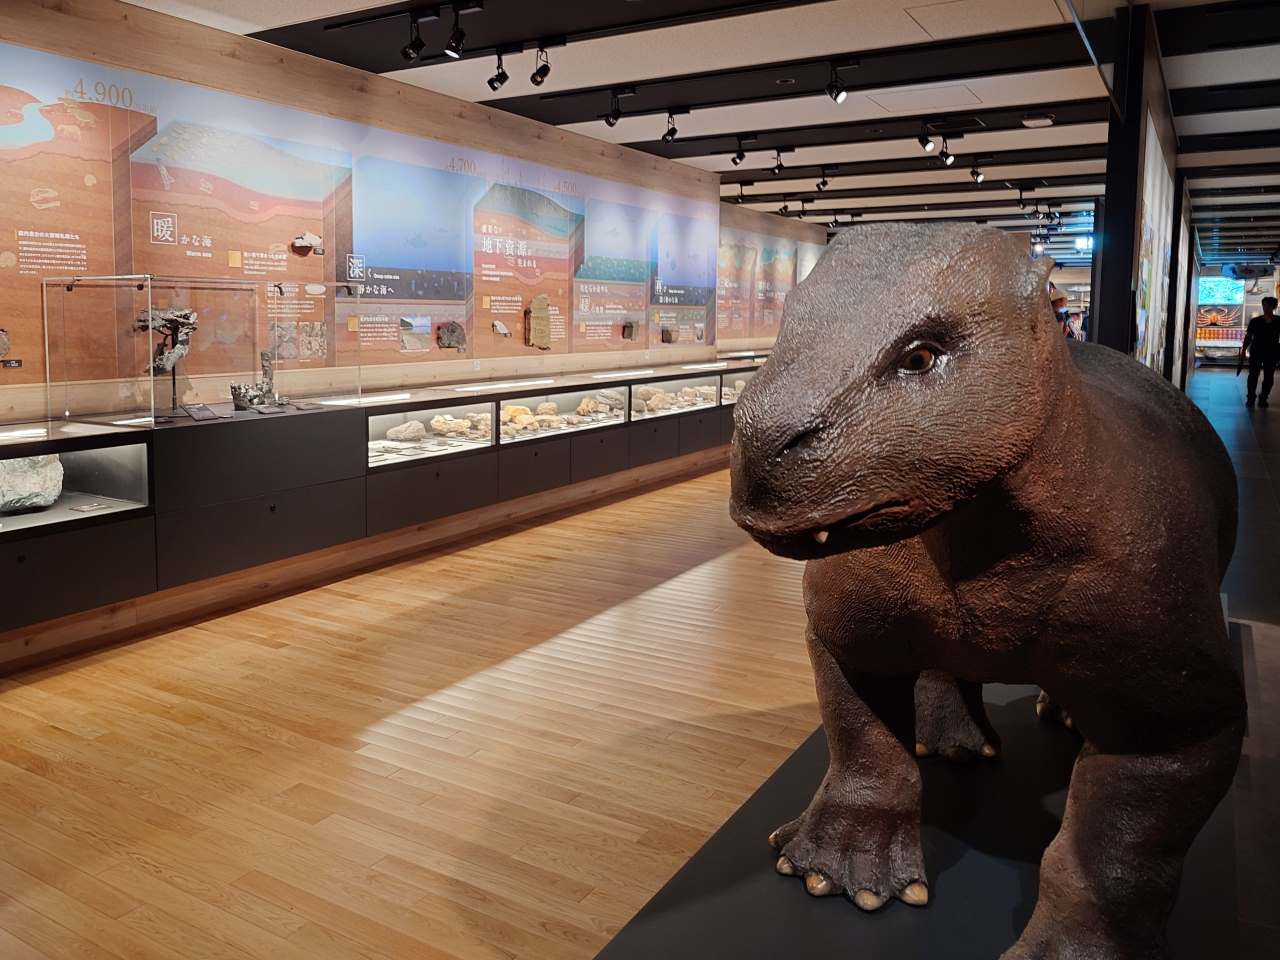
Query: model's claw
821, 536
921, 749
775, 841
785, 867
916, 894
1068, 722
1041, 704
867, 900
988, 750
818, 885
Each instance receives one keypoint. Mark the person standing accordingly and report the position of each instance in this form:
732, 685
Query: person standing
1262, 344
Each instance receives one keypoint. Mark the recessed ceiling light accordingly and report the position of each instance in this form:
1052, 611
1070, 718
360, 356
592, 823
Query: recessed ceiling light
1036, 120
785, 81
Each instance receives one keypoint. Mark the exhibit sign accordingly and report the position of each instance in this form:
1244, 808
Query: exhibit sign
450, 252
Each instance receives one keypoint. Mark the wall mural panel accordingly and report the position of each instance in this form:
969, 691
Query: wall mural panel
754, 274
458, 252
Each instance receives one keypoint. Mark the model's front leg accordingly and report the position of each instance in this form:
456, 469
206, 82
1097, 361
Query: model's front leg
1110, 878
861, 833
951, 718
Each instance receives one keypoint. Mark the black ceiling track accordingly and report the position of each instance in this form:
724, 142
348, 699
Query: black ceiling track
1225, 98
1236, 191
1218, 170
956, 123
919, 163
1045, 203
371, 40
937, 62
1029, 185
1218, 26
1247, 140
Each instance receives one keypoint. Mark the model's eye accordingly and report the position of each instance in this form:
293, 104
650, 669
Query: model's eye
919, 359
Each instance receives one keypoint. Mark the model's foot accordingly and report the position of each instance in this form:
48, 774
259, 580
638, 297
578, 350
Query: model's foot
1248, 401
951, 720
1262, 402
870, 856
1049, 711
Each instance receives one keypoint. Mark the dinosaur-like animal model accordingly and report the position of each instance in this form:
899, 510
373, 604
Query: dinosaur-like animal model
980, 500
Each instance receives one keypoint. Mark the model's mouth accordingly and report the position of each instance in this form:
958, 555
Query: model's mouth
878, 524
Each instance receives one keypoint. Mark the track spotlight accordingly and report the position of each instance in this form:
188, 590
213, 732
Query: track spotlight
542, 70
945, 155
926, 144
615, 112
498, 79
739, 157
1038, 247
670, 135
1022, 204
823, 183
413, 49
456, 39
978, 175
777, 167
784, 209
835, 89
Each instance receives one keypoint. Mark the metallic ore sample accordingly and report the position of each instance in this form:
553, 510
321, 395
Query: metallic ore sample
451, 334
246, 396
30, 483
175, 328
912, 437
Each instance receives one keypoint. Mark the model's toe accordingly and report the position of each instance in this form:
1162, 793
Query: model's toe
785, 867
868, 900
818, 885
916, 894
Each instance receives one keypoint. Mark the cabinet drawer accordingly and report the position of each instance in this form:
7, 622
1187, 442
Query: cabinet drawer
698, 431
208, 541
531, 467
598, 453
428, 491
654, 440
63, 573
726, 424
230, 460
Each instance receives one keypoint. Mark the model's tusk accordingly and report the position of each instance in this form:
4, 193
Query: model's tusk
821, 536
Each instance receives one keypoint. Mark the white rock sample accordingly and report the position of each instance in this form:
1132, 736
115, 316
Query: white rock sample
409, 430
30, 483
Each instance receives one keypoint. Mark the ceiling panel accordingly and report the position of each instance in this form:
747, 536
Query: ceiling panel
955, 18
1233, 121
247, 16
1241, 65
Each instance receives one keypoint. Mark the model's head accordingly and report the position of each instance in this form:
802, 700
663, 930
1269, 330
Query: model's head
1269, 304
916, 363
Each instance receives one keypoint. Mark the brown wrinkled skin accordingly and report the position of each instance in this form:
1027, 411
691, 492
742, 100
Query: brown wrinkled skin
1025, 511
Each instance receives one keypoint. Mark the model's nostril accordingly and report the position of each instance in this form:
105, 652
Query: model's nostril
800, 441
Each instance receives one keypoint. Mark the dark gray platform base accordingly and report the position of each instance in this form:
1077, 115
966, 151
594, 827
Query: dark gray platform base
986, 826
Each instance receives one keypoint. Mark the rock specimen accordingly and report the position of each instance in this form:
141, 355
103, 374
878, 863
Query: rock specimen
30, 483
915, 457
409, 430
175, 328
537, 323
513, 410
549, 421
451, 335
246, 396
611, 398
660, 401
587, 407
501, 329
5, 345
546, 407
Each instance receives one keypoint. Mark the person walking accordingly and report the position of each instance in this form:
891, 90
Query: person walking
1262, 344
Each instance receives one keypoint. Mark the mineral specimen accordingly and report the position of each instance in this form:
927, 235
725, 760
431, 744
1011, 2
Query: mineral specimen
547, 408
409, 430
513, 410
30, 483
246, 396
5, 344
451, 335
501, 329
175, 328
660, 401
587, 407
549, 421
525, 420
611, 398
647, 392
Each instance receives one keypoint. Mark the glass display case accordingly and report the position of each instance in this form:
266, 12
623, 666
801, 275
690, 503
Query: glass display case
50, 473
420, 434
566, 411
665, 397
125, 350
733, 383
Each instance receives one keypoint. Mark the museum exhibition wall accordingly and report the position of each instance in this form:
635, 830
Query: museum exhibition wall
352, 251
260, 308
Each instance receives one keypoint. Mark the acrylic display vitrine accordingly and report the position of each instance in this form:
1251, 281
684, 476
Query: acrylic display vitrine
666, 397
420, 434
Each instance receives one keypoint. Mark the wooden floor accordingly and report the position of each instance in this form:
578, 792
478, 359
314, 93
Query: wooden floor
496, 751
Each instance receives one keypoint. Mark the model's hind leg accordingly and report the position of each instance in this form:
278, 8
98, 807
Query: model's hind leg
951, 718
1109, 879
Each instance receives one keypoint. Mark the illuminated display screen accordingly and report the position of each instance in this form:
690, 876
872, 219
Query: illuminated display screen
1221, 290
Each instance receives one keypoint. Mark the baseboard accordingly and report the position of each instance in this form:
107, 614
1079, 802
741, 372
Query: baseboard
40, 643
